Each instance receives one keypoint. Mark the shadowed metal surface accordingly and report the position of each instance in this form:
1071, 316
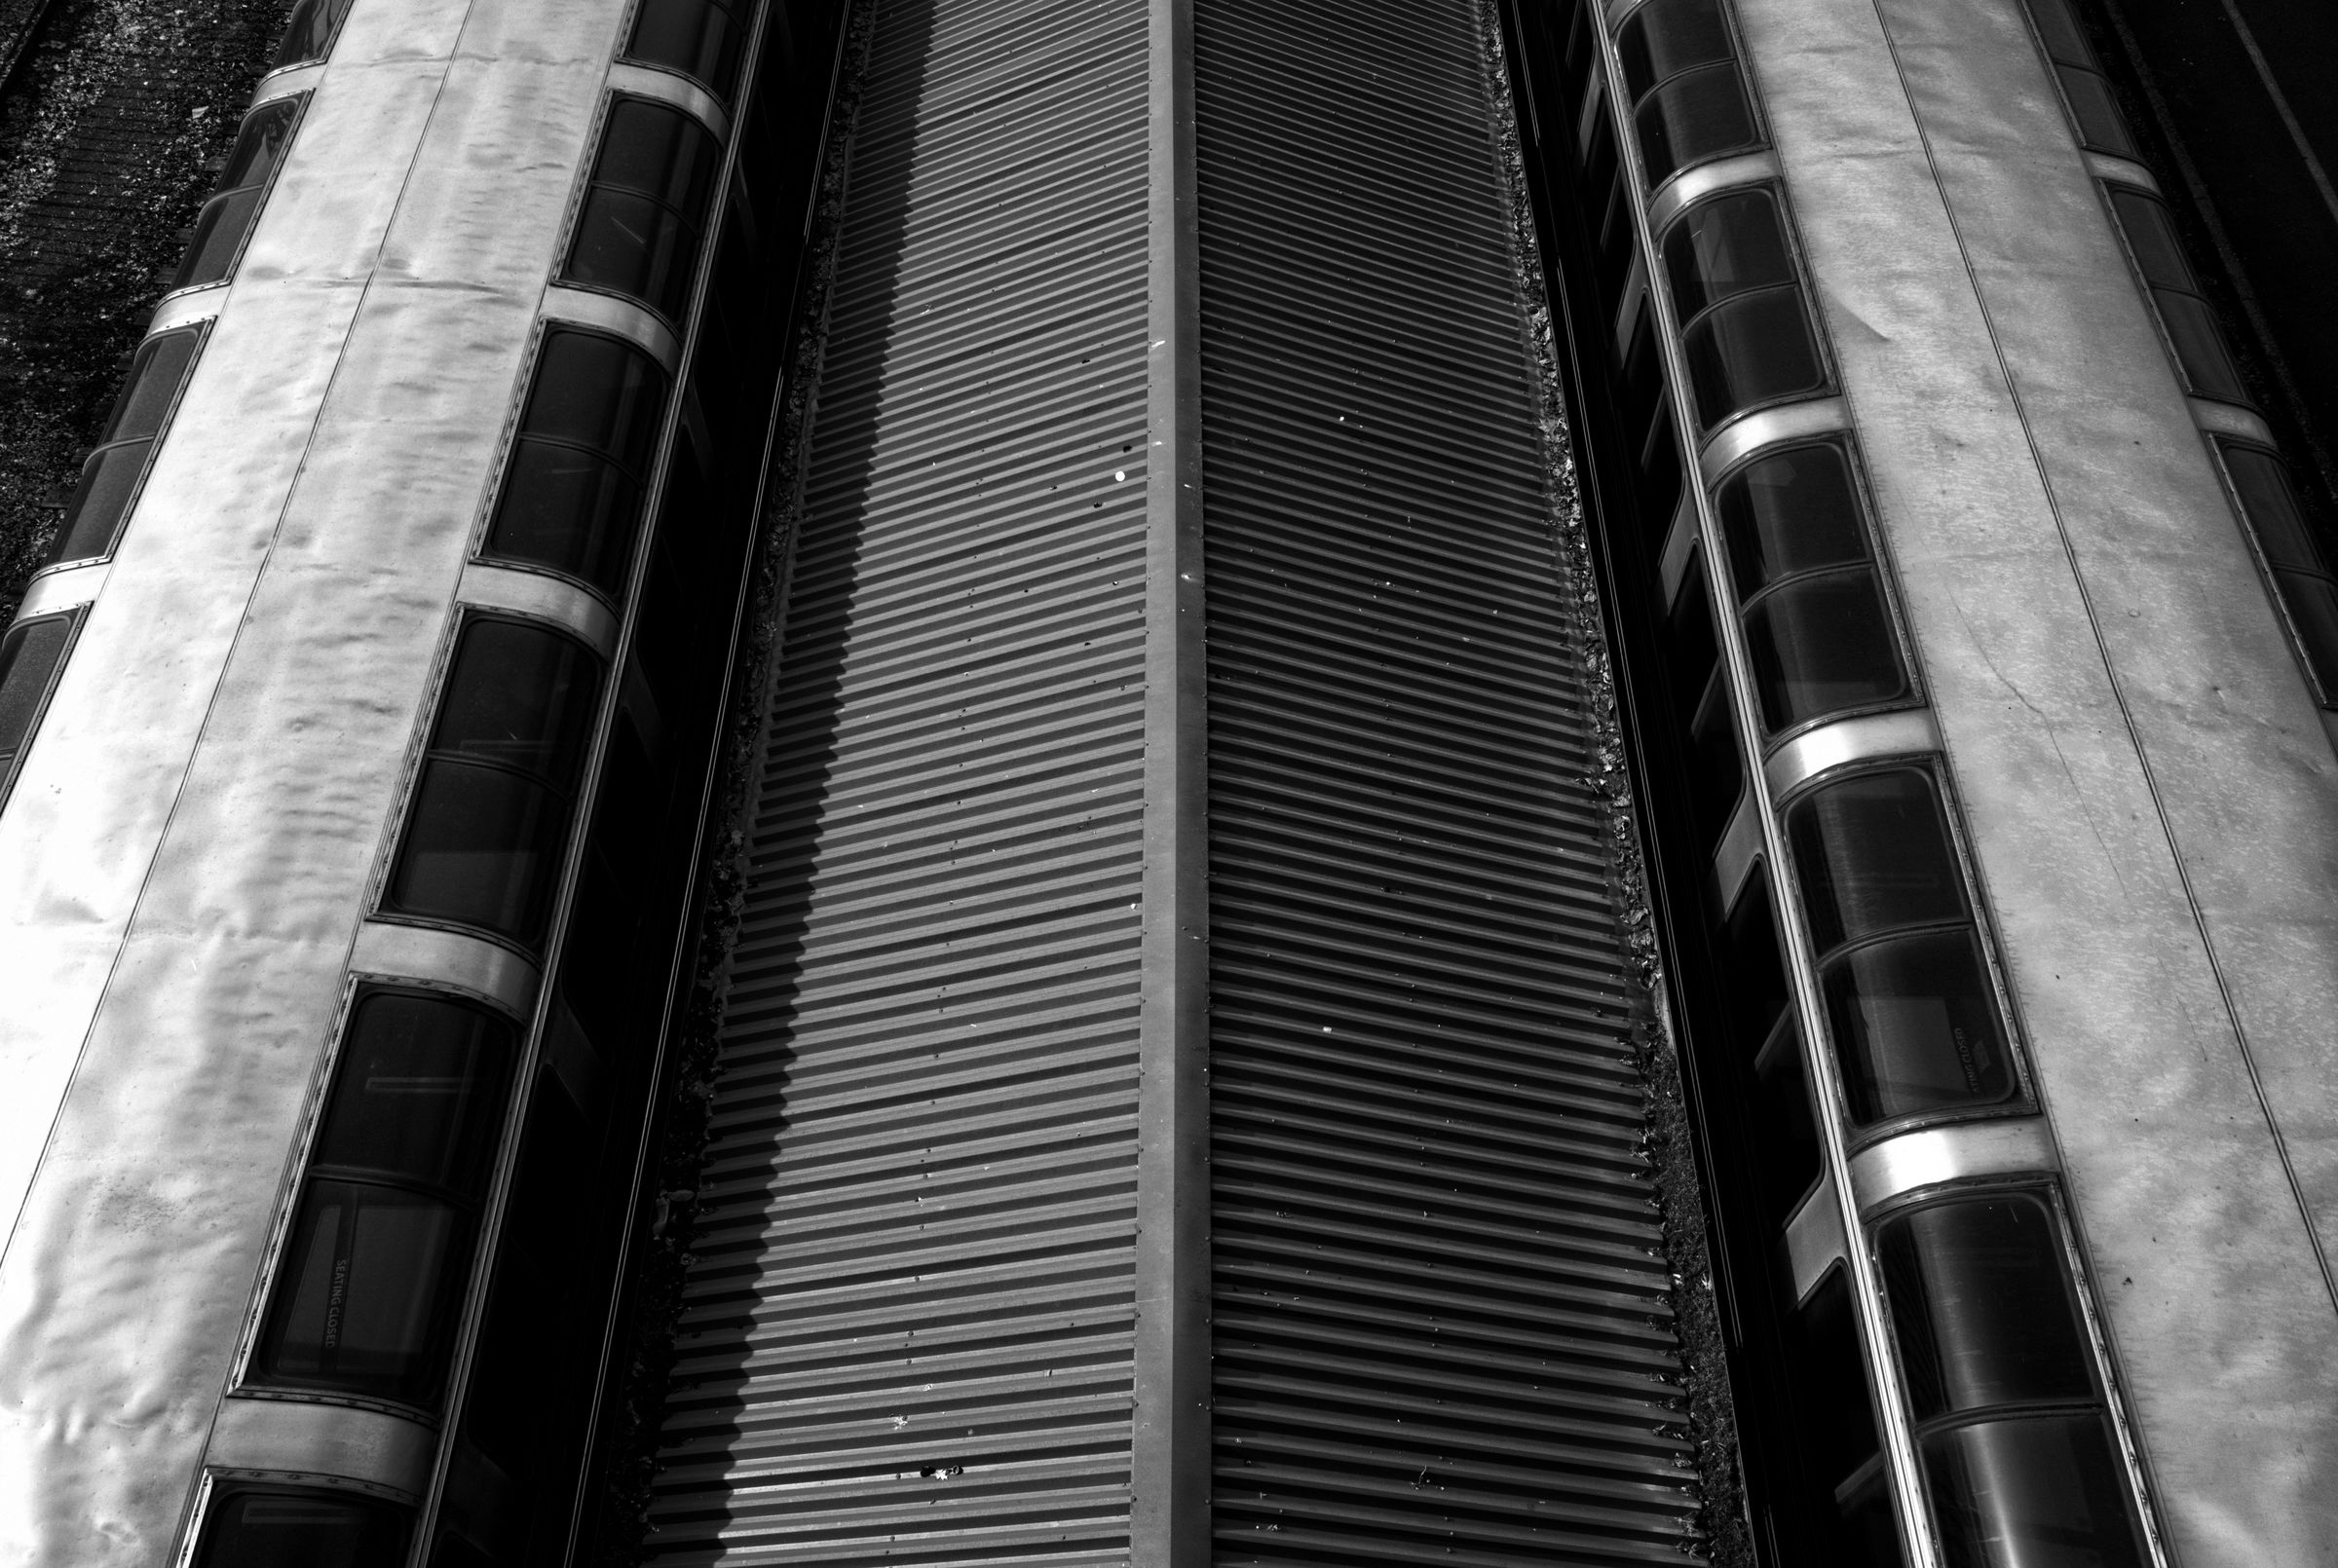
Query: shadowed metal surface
1442, 1329
907, 1329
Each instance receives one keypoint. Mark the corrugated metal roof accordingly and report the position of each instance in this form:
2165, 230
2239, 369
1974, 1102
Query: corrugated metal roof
908, 1327
1443, 1327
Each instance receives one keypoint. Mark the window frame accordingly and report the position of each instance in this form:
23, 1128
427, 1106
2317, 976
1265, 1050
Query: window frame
417, 768
650, 482
1629, 112
742, 14
2045, 1189
74, 617
201, 331
1828, 384
267, 188
324, 50
2325, 694
581, 199
2023, 1100
2107, 191
358, 987
220, 1485
1846, 446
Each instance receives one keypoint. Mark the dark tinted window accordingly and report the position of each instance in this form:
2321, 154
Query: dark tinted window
643, 214
491, 815
282, 1528
1981, 1306
1666, 36
29, 657
227, 217
109, 480
572, 492
2277, 517
1689, 104
2191, 325
309, 34
1873, 854
1820, 645
1792, 512
1831, 1380
2065, 42
699, 38
1723, 247
2041, 1489
380, 1247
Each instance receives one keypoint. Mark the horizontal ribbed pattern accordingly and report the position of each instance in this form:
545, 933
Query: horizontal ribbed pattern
1442, 1329
907, 1333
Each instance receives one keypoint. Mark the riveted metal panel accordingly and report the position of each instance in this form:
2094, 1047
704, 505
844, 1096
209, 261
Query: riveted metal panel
907, 1328
1441, 1321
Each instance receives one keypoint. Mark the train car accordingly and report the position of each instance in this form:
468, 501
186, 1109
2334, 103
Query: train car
1979, 647
1958, 556
358, 736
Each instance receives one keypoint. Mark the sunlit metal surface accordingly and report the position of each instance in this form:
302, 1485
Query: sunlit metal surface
1961, 1151
184, 861
1899, 733
2137, 755
1733, 443
301, 1437
1694, 184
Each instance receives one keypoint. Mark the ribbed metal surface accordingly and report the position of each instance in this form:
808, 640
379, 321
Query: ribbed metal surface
1442, 1324
908, 1324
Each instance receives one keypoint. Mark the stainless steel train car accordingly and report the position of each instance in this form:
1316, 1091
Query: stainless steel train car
1975, 636
357, 739
1981, 646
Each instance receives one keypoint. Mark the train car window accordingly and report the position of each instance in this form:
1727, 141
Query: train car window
2190, 324
572, 494
1745, 333
1907, 996
30, 656
2301, 574
700, 38
1822, 644
309, 34
646, 206
1688, 102
227, 217
110, 478
290, 1527
1981, 1309
483, 839
2100, 125
379, 1250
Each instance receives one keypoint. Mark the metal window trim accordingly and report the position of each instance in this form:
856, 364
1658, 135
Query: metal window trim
66, 586
1685, 188
2270, 575
1878, 1355
201, 326
2214, 417
639, 79
75, 618
583, 184
563, 302
2117, 170
1915, 1166
539, 594
297, 95
1854, 741
1780, 423
289, 81
1813, 1236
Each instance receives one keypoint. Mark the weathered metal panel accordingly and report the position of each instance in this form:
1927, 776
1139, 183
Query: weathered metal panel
187, 873
908, 1323
2148, 792
1443, 1324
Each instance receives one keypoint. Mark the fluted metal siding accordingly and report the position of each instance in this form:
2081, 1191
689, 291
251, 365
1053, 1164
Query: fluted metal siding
1441, 1322
907, 1332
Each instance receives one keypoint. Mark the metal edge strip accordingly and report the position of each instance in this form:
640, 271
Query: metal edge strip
1740, 848
63, 587
1692, 185
566, 305
542, 596
1742, 437
290, 83
1815, 1240
670, 88
431, 956
2120, 170
2227, 419
1895, 734
186, 307
297, 1438
1961, 1151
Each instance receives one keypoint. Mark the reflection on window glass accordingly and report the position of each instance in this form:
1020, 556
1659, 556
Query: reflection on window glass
1689, 104
280, 1527
700, 38
109, 480
379, 1250
29, 657
643, 214
1914, 1016
1745, 332
227, 217
308, 33
484, 837
572, 494
1988, 1327
2277, 515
